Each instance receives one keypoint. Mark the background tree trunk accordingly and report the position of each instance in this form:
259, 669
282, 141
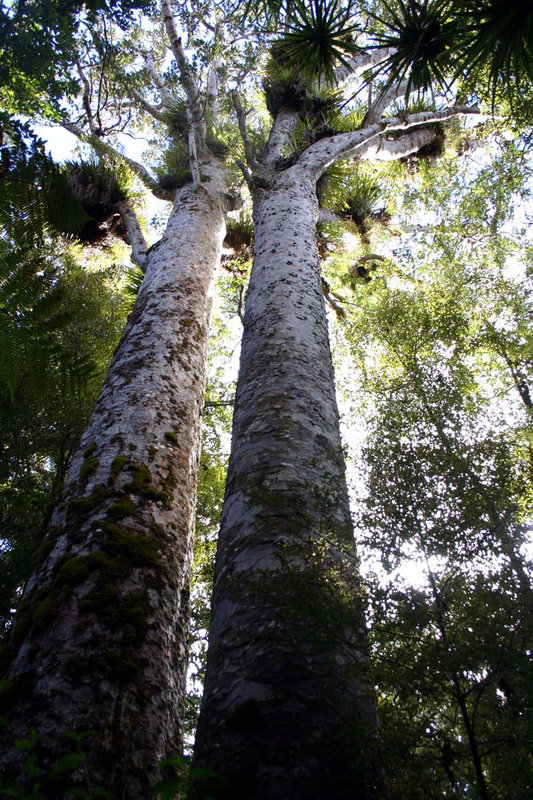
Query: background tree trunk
100, 639
285, 711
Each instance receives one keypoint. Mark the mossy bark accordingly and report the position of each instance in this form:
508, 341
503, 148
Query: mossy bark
101, 636
286, 713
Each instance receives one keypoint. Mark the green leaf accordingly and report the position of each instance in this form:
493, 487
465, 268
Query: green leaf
77, 791
67, 763
100, 791
169, 787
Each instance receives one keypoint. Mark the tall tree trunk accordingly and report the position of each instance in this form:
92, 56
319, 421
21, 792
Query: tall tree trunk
100, 639
285, 711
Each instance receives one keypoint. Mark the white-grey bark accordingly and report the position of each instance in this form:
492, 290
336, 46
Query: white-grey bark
394, 149
282, 128
360, 63
319, 156
100, 640
384, 99
136, 240
285, 711
165, 93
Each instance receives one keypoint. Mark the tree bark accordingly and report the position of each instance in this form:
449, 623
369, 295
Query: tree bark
285, 711
100, 639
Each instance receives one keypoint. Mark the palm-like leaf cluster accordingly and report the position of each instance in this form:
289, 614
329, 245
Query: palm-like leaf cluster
432, 43
420, 37
319, 35
498, 36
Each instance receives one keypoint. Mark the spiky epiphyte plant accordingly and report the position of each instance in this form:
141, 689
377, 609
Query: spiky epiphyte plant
284, 87
240, 234
98, 188
421, 36
355, 197
318, 37
176, 116
175, 171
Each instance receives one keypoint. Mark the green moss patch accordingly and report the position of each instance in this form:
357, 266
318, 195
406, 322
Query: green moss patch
131, 617
141, 482
43, 615
117, 465
80, 506
46, 546
88, 468
125, 507
101, 598
90, 450
170, 436
123, 665
137, 548
74, 571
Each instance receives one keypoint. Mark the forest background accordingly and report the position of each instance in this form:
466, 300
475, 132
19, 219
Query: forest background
426, 260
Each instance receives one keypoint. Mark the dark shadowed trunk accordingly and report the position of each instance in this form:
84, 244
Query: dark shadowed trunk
286, 713
100, 638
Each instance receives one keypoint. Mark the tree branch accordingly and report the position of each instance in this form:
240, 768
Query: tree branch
326, 215
394, 149
136, 240
156, 113
328, 294
241, 121
284, 124
104, 147
86, 99
359, 63
166, 95
384, 99
192, 91
320, 155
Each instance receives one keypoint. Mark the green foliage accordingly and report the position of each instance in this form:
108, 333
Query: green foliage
175, 171
422, 37
447, 494
68, 775
356, 196
318, 37
38, 45
39, 430
485, 44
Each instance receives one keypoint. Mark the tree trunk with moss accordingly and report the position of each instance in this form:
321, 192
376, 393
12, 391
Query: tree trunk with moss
286, 713
100, 639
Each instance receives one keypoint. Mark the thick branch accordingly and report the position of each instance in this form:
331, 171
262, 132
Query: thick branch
104, 147
148, 107
282, 128
383, 100
86, 99
359, 63
322, 154
212, 95
394, 149
195, 111
192, 91
330, 299
136, 240
326, 215
166, 95
241, 121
